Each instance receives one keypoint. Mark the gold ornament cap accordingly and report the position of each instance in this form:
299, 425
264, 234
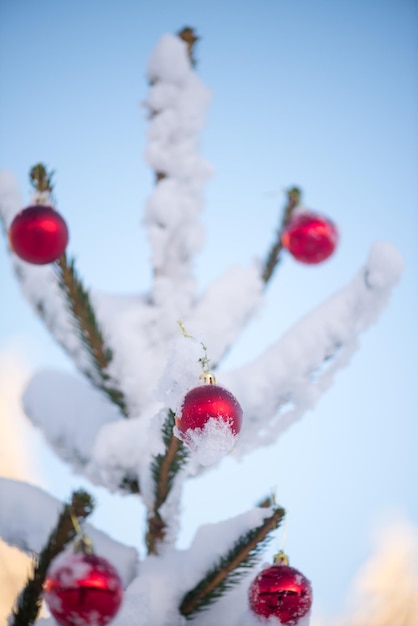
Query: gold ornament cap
281, 558
208, 378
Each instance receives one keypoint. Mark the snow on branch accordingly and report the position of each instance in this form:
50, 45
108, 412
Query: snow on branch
288, 379
73, 427
163, 581
224, 309
70, 427
177, 101
230, 567
28, 514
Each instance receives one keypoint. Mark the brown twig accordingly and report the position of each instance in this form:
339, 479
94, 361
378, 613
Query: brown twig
156, 525
164, 484
164, 469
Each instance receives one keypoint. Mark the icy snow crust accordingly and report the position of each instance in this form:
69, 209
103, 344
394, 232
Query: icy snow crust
274, 389
210, 443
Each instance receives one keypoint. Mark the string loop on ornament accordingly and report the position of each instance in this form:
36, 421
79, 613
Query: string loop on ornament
284, 536
280, 556
273, 498
82, 543
207, 376
183, 330
75, 523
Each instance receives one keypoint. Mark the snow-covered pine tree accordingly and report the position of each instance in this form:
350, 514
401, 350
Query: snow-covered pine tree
118, 426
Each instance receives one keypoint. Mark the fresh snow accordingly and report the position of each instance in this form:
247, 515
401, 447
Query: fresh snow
276, 388
177, 102
211, 443
63, 423
154, 365
30, 514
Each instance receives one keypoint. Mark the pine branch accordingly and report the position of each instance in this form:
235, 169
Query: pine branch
230, 568
88, 330
30, 600
164, 469
273, 257
79, 304
84, 318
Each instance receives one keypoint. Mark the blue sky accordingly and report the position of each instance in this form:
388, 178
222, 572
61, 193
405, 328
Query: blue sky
318, 93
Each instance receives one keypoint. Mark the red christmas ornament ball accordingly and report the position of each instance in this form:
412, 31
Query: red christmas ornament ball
83, 589
310, 238
282, 591
38, 234
208, 401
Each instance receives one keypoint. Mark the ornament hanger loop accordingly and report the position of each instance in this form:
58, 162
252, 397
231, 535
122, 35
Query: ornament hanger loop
207, 376
280, 557
183, 330
75, 523
273, 500
284, 532
82, 543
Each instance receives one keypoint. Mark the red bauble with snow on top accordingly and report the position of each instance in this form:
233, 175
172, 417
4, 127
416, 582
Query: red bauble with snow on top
38, 234
82, 589
209, 420
309, 237
281, 591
